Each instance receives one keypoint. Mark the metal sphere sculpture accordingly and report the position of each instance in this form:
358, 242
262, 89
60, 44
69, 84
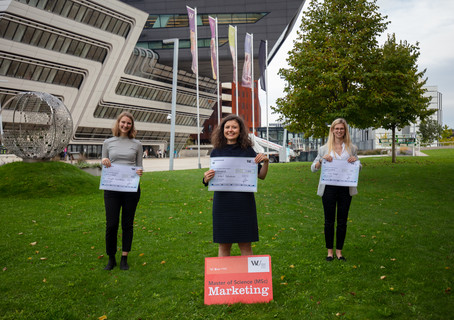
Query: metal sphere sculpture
42, 126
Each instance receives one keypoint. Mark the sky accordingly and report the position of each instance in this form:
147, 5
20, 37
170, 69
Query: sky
429, 22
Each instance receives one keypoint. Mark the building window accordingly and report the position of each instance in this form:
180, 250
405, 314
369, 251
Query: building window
183, 44
32, 70
156, 21
51, 38
83, 13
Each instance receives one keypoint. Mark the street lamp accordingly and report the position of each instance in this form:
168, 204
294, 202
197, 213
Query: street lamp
174, 99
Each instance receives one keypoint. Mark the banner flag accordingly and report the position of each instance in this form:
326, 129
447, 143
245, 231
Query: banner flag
192, 35
232, 45
247, 67
262, 64
213, 46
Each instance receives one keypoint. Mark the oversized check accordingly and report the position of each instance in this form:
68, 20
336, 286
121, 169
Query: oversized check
233, 174
119, 178
340, 173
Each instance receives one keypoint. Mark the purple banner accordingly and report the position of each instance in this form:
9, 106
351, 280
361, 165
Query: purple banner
192, 34
247, 67
213, 50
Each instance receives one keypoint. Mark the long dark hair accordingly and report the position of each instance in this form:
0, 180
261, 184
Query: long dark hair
218, 139
116, 129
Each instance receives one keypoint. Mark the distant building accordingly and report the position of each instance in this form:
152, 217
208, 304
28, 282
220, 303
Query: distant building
103, 57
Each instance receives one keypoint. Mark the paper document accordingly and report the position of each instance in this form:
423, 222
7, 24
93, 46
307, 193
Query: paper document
340, 173
233, 174
119, 178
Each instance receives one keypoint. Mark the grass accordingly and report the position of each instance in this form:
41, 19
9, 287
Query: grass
399, 245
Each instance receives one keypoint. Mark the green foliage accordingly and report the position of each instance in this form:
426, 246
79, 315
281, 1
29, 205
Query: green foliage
337, 70
430, 130
447, 134
398, 87
335, 51
399, 227
398, 84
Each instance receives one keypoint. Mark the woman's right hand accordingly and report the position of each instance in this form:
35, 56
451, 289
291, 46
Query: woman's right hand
327, 157
208, 175
106, 162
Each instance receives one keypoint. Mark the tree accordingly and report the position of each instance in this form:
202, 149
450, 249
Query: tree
447, 134
335, 51
430, 130
397, 88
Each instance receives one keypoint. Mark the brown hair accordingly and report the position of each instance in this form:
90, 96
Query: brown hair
347, 139
218, 139
116, 128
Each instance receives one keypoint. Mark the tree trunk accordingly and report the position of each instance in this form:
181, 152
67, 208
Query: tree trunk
393, 148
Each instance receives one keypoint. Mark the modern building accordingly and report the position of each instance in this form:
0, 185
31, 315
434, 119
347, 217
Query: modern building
103, 57
369, 138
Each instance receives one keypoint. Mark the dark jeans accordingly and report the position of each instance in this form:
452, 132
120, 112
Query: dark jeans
113, 202
335, 196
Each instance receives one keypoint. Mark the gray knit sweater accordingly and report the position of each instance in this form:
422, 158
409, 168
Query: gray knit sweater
122, 150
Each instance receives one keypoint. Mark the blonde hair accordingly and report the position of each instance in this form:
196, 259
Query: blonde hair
116, 128
347, 139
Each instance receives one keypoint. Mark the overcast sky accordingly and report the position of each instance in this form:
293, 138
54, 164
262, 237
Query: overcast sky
429, 22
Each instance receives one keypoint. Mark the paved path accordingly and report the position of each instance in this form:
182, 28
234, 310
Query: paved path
162, 164
178, 164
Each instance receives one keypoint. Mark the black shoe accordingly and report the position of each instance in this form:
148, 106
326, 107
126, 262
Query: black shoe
341, 258
329, 258
124, 263
111, 264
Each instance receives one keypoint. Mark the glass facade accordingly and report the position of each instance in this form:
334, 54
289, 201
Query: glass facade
183, 43
181, 20
103, 18
43, 36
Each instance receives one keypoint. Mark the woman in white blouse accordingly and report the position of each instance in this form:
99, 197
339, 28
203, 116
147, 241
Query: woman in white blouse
339, 146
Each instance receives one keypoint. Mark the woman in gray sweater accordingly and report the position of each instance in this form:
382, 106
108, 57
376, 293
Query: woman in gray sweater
122, 148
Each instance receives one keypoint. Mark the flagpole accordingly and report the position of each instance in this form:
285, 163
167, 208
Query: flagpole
267, 89
197, 87
217, 72
252, 83
236, 68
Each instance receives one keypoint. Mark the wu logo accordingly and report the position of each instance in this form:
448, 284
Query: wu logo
258, 264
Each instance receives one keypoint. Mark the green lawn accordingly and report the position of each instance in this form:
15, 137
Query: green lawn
399, 246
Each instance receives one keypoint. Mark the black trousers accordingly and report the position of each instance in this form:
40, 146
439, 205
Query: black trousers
335, 196
114, 201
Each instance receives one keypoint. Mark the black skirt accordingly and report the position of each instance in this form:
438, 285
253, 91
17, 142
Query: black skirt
234, 217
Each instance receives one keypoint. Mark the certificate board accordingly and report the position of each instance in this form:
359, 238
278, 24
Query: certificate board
233, 174
340, 173
119, 178
245, 279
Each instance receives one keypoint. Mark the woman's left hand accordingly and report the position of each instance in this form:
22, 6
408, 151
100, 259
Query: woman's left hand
352, 159
139, 172
261, 158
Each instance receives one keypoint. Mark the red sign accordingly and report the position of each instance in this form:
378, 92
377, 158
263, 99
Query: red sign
245, 279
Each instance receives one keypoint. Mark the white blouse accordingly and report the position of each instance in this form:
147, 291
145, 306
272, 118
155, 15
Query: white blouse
343, 156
